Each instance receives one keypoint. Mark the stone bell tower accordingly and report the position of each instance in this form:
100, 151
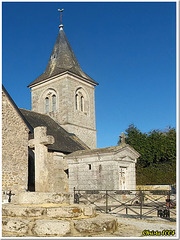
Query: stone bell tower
66, 93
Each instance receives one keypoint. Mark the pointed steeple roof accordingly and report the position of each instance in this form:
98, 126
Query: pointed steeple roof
62, 60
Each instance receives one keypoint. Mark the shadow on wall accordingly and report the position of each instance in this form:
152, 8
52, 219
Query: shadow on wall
31, 171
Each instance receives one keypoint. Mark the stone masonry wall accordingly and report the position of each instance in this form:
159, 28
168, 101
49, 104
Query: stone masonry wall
93, 173
80, 123
57, 178
86, 135
14, 148
102, 171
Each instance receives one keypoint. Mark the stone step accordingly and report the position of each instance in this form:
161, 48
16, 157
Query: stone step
48, 210
42, 197
101, 223
52, 219
57, 228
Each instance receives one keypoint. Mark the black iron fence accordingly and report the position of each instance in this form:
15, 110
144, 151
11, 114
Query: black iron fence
140, 203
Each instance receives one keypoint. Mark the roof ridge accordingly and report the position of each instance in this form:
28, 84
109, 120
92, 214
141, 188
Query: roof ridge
104, 150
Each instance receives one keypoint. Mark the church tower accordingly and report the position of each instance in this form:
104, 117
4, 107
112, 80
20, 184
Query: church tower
66, 93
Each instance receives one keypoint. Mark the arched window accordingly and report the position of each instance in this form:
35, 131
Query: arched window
46, 105
50, 101
76, 101
82, 103
53, 103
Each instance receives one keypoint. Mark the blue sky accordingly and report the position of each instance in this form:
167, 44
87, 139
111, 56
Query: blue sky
129, 48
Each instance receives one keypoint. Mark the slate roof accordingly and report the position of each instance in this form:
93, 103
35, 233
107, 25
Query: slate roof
102, 150
64, 141
62, 60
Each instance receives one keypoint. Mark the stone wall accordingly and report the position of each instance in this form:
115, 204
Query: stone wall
92, 174
57, 177
88, 136
81, 123
14, 148
101, 171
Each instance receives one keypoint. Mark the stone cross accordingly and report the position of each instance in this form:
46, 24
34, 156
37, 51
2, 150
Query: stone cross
123, 137
39, 143
10, 194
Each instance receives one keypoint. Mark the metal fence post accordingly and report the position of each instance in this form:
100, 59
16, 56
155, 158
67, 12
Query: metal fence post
126, 211
74, 194
168, 203
141, 203
106, 201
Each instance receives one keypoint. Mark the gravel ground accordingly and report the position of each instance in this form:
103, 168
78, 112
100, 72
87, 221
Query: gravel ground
155, 224
130, 227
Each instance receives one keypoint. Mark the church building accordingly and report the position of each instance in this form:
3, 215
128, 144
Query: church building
52, 148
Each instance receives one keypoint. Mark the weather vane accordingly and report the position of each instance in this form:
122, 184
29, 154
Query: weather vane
61, 11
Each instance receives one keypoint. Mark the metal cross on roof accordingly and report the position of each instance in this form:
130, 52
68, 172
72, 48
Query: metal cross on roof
123, 137
61, 11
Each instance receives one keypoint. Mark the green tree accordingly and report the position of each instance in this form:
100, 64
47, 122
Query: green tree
138, 140
157, 163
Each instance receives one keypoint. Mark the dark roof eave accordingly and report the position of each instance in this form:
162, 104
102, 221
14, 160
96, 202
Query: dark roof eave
94, 83
58, 150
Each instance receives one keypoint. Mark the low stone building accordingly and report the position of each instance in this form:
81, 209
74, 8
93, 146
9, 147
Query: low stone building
111, 168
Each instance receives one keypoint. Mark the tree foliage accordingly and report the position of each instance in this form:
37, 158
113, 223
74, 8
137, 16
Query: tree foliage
158, 154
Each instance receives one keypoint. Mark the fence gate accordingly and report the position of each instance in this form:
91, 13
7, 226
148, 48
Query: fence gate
139, 203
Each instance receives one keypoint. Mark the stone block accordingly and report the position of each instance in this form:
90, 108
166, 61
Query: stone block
89, 211
51, 227
15, 225
97, 224
20, 211
42, 197
64, 212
